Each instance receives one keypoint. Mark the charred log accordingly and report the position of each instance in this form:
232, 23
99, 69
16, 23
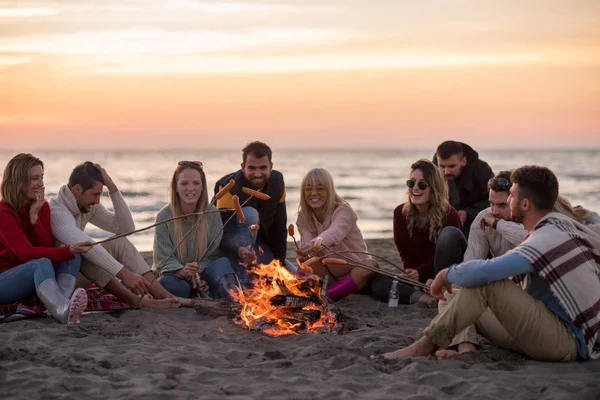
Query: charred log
291, 300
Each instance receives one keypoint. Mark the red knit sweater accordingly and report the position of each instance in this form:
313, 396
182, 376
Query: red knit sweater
418, 252
20, 241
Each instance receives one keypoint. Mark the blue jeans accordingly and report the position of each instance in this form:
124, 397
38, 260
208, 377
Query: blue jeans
449, 250
20, 282
236, 235
212, 274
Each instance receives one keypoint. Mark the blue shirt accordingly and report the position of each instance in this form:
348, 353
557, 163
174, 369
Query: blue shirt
480, 272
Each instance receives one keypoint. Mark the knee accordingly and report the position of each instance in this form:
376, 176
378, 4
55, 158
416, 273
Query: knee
451, 235
251, 215
44, 264
220, 266
175, 285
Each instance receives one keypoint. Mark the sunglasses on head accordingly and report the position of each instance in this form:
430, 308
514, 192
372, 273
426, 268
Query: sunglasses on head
320, 190
193, 164
499, 183
421, 185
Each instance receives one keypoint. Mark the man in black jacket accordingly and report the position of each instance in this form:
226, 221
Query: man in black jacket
256, 173
467, 178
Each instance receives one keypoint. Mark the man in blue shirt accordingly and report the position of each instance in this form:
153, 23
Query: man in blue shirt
556, 317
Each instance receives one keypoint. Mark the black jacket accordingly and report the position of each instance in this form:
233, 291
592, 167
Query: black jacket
469, 192
272, 213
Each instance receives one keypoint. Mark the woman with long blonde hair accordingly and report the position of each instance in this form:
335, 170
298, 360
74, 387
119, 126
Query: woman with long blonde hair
180, 266
427, 229
323, 213
30, 264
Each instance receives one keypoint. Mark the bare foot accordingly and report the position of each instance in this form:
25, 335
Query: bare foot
421, 348
185, 302
445, 353
160, 304
466, 347
463, 348
429, 301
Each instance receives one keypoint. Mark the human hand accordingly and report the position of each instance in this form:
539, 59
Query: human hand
412, 274
135, 282
188, 271
304, 250
487, 220
463, 216
246, 254
108, 182
36, 206
81, 247
427, 287
438, 284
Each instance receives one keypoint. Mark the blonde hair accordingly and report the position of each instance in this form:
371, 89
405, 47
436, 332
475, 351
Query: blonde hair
563, 206
200, 230
16, 176
438, 200
316, 177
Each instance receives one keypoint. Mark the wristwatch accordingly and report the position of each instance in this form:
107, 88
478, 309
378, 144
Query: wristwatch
495, 224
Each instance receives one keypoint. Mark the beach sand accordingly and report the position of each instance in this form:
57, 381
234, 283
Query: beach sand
146, 354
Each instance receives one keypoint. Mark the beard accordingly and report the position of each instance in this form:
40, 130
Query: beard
516, 216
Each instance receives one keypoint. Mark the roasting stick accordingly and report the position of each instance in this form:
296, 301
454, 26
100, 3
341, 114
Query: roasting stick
159, 223
219, 194
345, 261
339, 261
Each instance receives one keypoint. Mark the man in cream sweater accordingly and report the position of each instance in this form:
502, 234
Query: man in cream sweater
492, 234
78, 203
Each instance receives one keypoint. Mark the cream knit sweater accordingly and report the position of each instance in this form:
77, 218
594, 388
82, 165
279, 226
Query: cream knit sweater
68, 224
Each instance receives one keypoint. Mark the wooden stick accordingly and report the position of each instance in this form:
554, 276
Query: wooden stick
368, 267
364, 252
159, 223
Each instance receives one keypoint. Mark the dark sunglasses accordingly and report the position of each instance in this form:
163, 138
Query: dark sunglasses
499, 183
193, 164
421, 185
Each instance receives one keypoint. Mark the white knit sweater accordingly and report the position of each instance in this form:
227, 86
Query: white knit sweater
505, 237
68, 224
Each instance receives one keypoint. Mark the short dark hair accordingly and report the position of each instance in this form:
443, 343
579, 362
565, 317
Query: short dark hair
448, 149
496, 186
86, 175
256, 149
538, 184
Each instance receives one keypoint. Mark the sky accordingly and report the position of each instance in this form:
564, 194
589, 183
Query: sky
299, 73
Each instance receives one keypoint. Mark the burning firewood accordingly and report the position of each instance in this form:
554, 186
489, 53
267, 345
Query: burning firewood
291, 300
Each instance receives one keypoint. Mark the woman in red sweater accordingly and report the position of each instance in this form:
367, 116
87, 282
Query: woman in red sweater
427, 230
29, 262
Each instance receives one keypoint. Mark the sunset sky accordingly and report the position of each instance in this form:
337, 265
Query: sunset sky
299, 73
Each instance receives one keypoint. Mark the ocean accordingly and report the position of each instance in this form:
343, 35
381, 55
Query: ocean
372, 181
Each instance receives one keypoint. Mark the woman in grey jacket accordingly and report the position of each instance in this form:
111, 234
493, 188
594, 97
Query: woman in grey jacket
185, 269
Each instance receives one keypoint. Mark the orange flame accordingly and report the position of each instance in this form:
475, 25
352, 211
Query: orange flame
279, 303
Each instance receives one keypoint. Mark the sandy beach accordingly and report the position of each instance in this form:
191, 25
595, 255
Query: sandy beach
146, 354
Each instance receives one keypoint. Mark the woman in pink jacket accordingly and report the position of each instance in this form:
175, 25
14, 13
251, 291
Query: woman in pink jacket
323, 213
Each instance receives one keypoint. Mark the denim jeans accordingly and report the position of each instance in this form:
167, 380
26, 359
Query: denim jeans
449, 250
236, 235
20, 282
212, 274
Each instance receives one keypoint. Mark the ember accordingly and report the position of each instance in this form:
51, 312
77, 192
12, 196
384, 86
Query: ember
279, 303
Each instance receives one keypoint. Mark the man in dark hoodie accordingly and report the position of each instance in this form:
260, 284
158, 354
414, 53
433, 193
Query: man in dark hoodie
467, 178
271, 241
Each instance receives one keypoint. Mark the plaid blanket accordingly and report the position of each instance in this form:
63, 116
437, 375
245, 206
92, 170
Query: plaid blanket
566, 254
98, 300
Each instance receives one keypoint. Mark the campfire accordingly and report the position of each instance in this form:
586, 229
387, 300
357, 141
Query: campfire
279, 303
